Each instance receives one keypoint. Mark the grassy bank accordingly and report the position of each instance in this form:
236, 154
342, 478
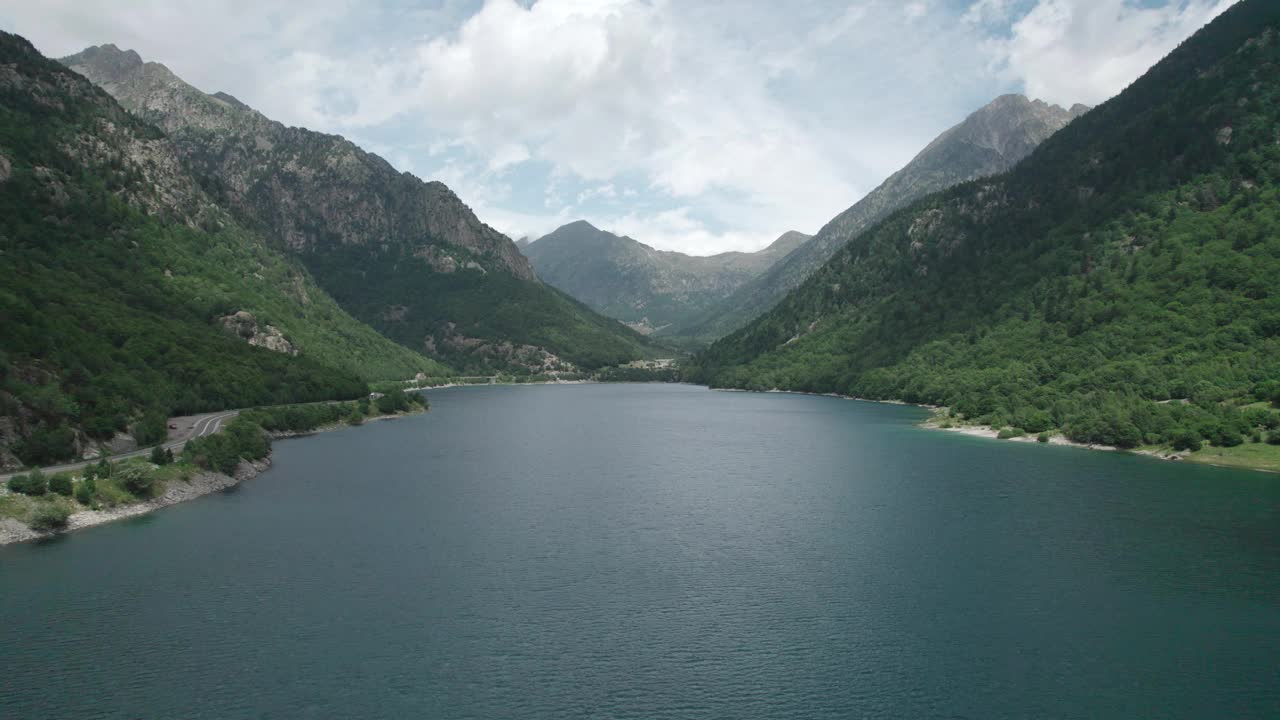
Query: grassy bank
1259, 450
49, 503
1252, 456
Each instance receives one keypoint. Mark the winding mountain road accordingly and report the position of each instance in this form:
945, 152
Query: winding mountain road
188, 427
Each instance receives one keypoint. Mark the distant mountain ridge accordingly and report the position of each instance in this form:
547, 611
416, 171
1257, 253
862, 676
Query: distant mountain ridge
990, 140
406, 256
646, 288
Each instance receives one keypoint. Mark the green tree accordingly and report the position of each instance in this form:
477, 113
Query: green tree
153, 428
1186, 440
393, 401
161, 456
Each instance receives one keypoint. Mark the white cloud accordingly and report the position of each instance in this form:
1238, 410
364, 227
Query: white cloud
679, 229
1069, 51
988, 12
507, 154
606, 191
594, 89
715, 125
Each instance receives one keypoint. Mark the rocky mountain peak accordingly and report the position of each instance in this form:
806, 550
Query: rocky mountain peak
646, 288
990, 140
231, 99
109, 59
1011, 125
786, 242
308, 189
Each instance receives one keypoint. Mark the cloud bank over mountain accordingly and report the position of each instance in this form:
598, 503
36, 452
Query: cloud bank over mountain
694, 127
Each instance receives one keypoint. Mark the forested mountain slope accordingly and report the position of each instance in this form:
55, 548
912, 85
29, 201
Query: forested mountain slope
646, 288
991, 140
122, 283
1130, 261
405, 256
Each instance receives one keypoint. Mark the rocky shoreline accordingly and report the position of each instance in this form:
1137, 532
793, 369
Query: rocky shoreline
986, 431
198, 485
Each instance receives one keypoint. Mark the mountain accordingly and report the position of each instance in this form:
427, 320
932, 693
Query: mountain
991, 140
406, 256
1119, 284
129, 295
646, 288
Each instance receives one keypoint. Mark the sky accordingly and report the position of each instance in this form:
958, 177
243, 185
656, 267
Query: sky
690, 125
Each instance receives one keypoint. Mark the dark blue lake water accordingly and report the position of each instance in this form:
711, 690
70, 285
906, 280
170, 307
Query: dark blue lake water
633, 551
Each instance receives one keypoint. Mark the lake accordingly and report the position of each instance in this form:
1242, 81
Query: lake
663, 551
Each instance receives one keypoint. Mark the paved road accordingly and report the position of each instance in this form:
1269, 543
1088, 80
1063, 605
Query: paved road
189, 427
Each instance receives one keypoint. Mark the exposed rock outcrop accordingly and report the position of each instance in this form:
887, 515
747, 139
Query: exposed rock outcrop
244, 325
9, 437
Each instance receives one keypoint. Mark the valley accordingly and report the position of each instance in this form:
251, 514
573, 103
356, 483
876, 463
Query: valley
999, 439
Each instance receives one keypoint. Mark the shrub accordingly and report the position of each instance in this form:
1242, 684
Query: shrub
393, 401
86, 489
139, 481
50, 516
161, 456
1186, 440
356, 417
1273, 437
213, 452
1226, 437
1043, 437
33, 484
61, 484
1009, 433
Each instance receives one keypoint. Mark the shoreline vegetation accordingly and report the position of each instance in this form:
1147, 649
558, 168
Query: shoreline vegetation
36, 506
1261, 451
